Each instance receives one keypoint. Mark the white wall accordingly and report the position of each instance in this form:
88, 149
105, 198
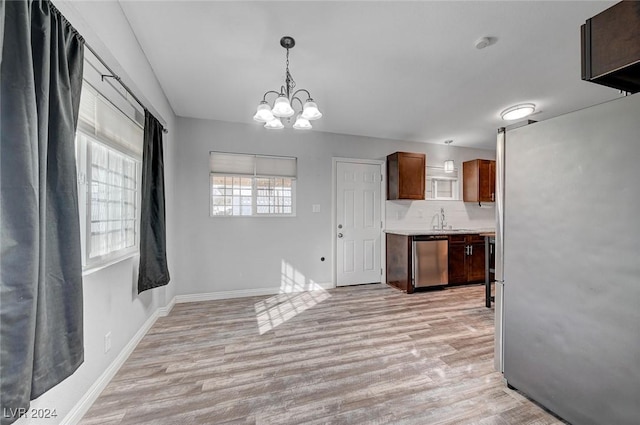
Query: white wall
111, 302
412, 215
247, 254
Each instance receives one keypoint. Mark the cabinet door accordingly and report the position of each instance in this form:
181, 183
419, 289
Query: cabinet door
399, 262
475, 261
457, 260
610, 48
479, 180
492, 179
485, 180
411, 175
406, 175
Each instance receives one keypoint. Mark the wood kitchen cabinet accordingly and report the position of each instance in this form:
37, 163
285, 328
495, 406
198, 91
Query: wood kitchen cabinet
399, 262
406, 175
479, 180
611, 47
466, 259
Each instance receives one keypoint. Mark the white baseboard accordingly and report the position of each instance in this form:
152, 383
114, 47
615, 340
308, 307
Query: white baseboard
240, 293
164, 311
85, 403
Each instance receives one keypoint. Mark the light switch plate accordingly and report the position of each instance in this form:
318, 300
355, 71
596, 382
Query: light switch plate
315, 208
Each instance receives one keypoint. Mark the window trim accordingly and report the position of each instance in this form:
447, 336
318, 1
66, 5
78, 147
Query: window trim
254, 196
431, 183
93, 264
292, 175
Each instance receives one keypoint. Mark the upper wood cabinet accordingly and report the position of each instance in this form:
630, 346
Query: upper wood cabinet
406, 175
479, 180
611, 47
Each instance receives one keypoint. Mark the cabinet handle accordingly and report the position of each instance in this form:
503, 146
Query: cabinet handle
493, 195
466, 250
471, 249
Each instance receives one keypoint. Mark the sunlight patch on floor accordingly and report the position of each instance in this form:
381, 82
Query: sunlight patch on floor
297, 294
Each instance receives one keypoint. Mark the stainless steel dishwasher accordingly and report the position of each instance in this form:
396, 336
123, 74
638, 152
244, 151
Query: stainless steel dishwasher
430, 260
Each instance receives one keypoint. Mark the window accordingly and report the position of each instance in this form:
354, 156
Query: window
441, 185
108, 156
252, 185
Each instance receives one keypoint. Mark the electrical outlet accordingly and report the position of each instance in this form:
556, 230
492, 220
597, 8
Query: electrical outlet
107, 342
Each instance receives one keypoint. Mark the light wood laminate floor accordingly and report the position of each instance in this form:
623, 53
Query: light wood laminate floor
357, 355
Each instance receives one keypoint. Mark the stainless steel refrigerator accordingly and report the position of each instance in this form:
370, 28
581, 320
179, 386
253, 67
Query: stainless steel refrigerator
568, 262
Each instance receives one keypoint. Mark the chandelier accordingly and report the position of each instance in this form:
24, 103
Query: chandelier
283, 107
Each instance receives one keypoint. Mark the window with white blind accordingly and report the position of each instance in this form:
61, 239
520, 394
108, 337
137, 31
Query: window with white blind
252, 185
442, 185
108, 156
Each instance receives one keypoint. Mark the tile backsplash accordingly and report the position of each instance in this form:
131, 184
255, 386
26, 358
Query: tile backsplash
411, 215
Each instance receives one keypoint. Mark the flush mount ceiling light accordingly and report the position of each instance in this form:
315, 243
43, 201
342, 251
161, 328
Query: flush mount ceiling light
518, 111
449, 164
283, 105
482, 42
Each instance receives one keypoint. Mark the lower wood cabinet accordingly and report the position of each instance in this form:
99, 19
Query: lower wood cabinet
399, 262
466, 259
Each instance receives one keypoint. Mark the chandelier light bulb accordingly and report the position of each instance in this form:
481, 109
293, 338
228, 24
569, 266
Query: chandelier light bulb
282, 108
518, 111
310, 110
263, 113
302, 123
274, 124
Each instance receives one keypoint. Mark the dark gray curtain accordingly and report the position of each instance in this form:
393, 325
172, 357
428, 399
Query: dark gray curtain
40, 265
153, 270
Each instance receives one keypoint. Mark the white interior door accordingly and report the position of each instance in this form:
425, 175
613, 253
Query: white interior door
358, 223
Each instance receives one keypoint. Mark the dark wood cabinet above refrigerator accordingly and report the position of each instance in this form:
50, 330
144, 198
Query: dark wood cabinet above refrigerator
611, 47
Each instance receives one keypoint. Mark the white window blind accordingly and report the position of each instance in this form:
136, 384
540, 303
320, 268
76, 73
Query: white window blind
252, 185
252, 165
272, 166
101, 119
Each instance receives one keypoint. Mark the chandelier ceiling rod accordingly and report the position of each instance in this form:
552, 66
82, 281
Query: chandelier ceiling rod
283, 105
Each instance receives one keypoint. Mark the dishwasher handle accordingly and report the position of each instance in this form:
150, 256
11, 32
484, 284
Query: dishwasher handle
425, 238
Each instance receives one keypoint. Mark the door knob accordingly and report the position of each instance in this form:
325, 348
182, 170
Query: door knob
339, 235
339, 226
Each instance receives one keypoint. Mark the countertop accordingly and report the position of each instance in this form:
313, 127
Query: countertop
415, 232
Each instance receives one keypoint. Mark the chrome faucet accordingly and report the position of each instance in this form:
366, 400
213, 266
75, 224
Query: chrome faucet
440, 220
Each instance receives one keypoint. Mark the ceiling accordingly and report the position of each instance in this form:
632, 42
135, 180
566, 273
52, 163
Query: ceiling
389, 69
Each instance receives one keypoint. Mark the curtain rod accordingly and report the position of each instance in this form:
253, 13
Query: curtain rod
119, 80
